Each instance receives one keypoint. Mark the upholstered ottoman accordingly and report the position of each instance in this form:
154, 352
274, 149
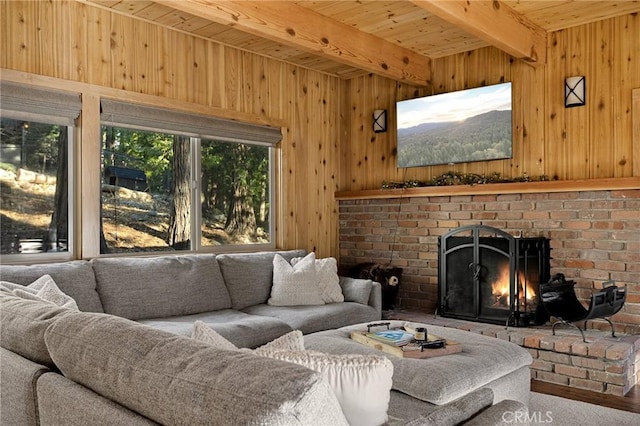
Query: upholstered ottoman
483, 362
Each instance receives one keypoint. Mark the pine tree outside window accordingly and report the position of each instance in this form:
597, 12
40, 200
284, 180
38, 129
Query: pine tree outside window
176, 181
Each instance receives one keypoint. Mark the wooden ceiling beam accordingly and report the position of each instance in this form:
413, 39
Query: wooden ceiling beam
293, 25
496, 23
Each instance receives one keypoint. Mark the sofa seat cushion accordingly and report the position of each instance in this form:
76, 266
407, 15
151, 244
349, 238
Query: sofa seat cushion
75, 279
241, 329
175, 380
310, 319
437, 380
24, 322
140, 288
249, 276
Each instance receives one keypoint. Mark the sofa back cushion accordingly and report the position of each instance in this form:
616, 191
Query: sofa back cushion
175, 380
74, 278
157, 287
23, 324
249, 276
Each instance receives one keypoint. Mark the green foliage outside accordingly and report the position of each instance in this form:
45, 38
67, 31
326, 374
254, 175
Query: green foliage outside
35, 145
233, 179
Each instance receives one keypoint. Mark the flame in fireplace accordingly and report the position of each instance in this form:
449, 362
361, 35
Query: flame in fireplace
500, 286
500, 289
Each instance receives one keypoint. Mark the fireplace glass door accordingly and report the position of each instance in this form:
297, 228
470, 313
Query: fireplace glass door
477, 270
485, 274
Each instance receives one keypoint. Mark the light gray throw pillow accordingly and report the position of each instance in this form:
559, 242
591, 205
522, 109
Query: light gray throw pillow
43, 289
295, 285
328, 280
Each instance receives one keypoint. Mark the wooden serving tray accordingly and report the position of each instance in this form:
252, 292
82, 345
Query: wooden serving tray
451, 347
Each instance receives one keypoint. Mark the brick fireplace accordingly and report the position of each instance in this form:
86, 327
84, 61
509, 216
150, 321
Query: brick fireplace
594, 235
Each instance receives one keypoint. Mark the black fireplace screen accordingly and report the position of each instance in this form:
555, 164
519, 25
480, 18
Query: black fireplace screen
487, 275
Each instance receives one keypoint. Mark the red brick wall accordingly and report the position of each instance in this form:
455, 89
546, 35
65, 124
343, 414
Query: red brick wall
595, 236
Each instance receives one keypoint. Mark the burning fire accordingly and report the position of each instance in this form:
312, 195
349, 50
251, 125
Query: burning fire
500, 289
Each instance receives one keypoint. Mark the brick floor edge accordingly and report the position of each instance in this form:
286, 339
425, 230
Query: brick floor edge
604, 364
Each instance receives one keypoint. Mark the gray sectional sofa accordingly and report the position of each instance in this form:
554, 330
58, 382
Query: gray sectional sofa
229, 292
126, 358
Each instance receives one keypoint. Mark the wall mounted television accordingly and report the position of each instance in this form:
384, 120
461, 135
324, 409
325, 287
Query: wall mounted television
455, 127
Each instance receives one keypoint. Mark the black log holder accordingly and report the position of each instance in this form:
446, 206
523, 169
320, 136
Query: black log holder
560, 300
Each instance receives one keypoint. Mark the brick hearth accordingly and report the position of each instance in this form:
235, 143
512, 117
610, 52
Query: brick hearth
604, 364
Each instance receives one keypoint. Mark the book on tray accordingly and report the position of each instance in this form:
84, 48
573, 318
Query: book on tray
392, 337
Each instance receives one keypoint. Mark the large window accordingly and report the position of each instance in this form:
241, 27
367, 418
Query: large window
167, 181
36, 135
174, 181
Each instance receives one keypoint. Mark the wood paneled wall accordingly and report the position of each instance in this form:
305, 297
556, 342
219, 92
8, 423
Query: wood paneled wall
594, 141
86, 44
328, 143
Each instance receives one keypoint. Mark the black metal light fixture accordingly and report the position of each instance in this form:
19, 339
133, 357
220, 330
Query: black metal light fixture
380, 120
574, 91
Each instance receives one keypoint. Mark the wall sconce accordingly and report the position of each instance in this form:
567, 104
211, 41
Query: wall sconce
574, 91
380, 120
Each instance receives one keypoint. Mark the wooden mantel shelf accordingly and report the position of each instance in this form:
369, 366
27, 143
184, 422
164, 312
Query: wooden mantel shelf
496, 188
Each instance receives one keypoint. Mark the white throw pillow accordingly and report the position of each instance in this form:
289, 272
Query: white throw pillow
295, 285
362, 383
43, 289
328, 280
292, 341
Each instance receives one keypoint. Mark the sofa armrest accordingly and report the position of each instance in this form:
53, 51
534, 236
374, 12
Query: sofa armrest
375, 298
19, 377
362, 291
64, 402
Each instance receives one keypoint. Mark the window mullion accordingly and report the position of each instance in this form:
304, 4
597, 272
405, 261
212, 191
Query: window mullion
196, 194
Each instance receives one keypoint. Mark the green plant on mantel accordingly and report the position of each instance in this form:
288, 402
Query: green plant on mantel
454, 178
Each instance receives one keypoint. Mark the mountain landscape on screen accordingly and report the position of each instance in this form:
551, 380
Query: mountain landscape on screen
486, 136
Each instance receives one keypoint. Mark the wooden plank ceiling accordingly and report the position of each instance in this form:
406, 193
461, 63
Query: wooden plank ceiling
396, 39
